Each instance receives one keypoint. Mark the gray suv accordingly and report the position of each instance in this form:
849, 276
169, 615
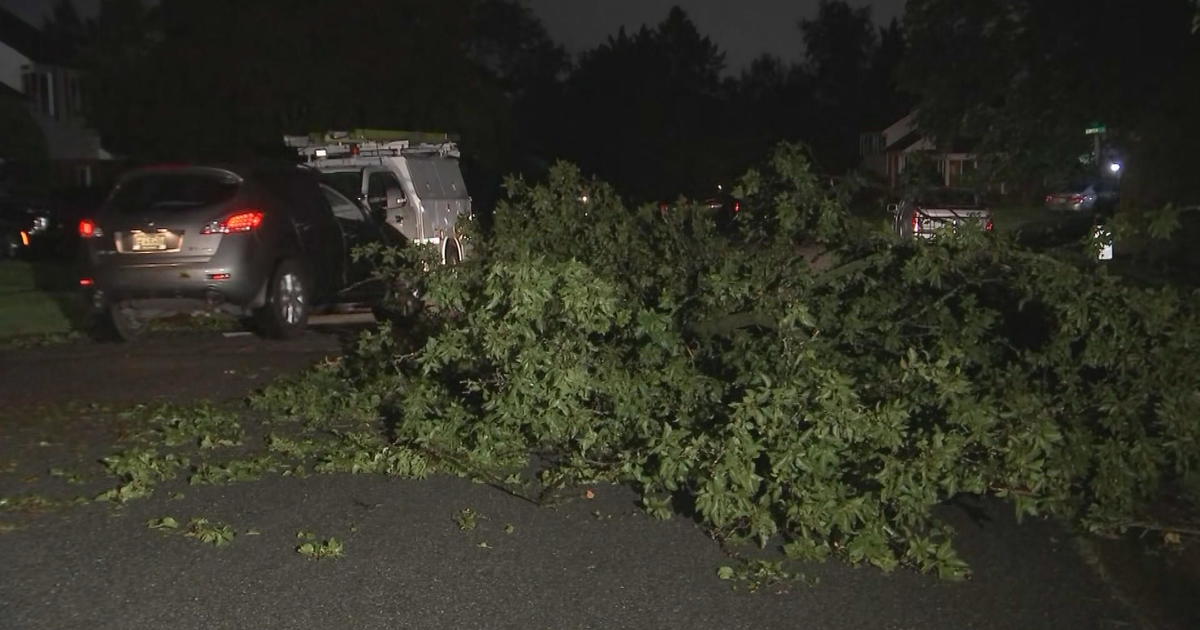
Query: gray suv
266, 242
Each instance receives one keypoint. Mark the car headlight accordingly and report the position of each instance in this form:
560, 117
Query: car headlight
39, 224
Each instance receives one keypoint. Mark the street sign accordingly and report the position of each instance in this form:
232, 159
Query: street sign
1098, 129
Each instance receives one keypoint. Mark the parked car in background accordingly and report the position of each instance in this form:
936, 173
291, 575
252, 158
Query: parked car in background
925, 214
1100, 196
24, 224
14, 228
720, 204
267, 242
45, 227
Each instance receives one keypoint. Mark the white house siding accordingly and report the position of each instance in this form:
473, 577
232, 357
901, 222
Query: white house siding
11, 62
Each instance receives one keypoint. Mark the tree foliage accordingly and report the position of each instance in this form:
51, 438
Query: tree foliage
651, 111
647, 109
775, 396
1024, 79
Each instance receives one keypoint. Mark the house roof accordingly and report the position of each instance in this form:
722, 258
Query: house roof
21, 35
8, 92
905, 141
913, 136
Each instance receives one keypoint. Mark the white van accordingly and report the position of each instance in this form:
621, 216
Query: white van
411, 180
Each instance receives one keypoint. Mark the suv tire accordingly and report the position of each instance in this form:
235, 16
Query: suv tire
124, 323
286, 312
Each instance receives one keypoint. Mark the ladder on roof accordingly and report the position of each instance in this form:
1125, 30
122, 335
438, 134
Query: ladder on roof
371, 143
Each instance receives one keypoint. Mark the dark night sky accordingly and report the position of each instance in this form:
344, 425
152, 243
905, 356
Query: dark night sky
742, 28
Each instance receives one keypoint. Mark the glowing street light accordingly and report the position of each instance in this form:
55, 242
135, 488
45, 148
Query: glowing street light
1114, 167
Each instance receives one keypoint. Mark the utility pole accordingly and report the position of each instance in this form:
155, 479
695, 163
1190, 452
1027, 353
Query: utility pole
1096, 131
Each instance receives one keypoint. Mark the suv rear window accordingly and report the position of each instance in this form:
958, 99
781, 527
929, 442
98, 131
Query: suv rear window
172, 191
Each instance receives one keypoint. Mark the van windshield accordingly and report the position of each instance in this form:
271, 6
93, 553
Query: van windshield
172, 191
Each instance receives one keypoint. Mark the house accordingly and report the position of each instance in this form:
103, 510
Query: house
887, 153
53, 94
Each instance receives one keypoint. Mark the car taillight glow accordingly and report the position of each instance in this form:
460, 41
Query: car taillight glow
244, 221
86, 282
25, 238
989, 225
737, 207
1077, 198
87, 228
916, 220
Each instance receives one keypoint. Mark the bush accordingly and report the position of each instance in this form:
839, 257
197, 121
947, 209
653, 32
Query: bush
724, 374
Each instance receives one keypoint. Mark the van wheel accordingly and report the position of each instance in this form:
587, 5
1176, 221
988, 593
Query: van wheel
124, 322
285, 314
453, 255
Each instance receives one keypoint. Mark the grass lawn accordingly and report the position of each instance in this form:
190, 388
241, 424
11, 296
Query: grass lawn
39, 299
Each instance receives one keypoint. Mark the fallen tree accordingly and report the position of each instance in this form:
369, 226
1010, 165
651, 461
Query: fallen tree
720, 374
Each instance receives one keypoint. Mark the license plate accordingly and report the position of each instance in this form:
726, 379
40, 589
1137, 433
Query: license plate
143, 242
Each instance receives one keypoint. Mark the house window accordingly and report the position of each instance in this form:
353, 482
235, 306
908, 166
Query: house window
39, 90
73, 95
870, 144
45, 93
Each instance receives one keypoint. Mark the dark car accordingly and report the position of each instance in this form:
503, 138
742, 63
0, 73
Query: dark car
266, 242
721, 206
45, 226
14, 229
24, 223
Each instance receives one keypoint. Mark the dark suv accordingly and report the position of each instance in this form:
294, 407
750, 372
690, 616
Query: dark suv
267, 241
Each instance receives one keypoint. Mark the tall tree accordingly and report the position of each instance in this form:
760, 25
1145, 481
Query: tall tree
852, 65
647, 110
1026, 78
64, 32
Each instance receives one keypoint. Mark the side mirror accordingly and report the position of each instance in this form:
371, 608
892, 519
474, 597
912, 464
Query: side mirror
395, 198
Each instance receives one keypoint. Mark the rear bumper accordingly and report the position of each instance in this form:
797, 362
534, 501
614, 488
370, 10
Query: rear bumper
178, 287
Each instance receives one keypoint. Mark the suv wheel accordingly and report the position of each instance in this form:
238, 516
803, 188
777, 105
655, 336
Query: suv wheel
125, 322
288, 302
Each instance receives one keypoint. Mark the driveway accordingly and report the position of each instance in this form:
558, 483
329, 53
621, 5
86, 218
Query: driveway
587, 563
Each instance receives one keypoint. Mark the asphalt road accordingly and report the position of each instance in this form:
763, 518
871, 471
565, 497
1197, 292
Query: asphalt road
588, 563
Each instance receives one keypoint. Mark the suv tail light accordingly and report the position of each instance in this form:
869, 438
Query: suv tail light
244, 221
1077, 198
990, 226
87, 228
916, 220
